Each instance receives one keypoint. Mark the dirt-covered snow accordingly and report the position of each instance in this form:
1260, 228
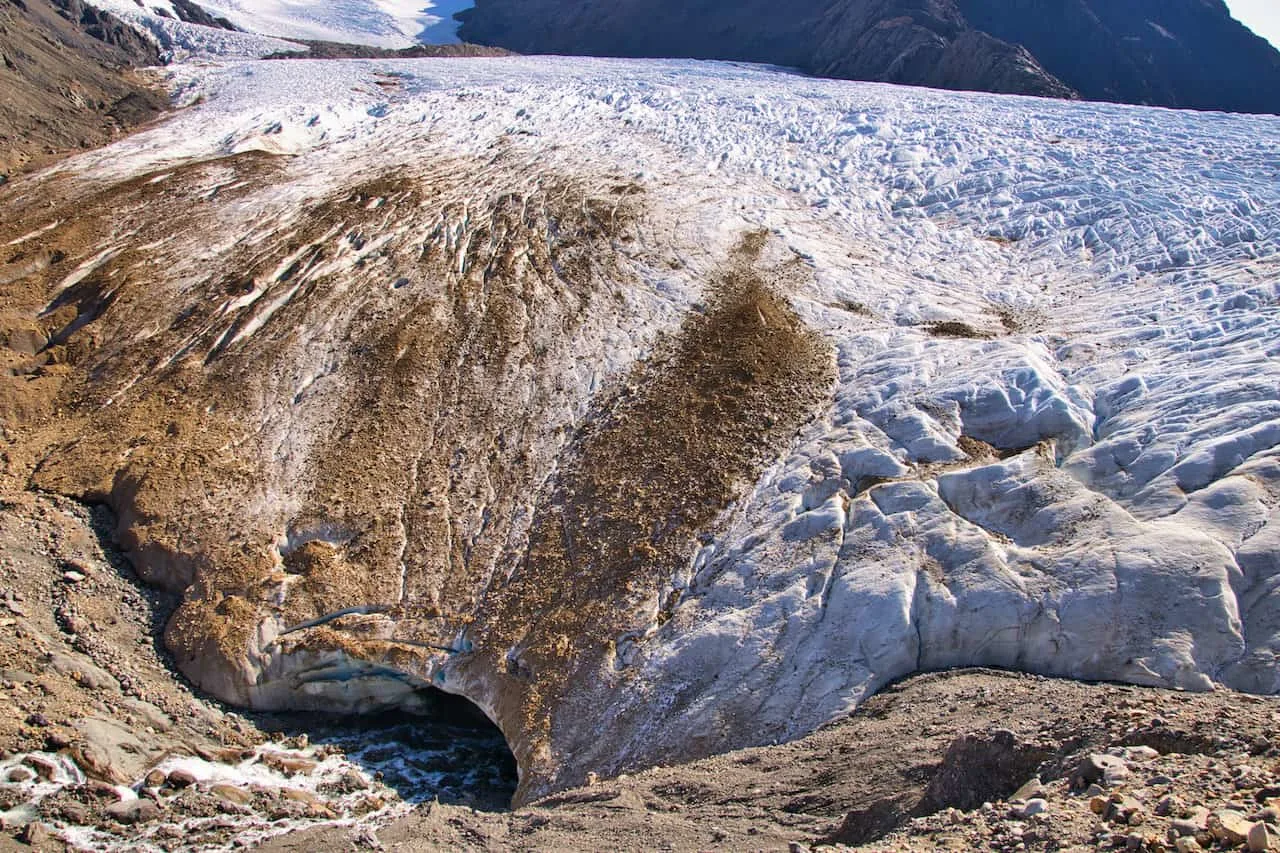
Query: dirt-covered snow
1046, 354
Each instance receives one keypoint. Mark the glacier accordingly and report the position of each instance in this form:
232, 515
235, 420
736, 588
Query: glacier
666, 408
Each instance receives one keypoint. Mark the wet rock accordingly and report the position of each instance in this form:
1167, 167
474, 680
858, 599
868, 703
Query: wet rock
43, 767
179, 779
36, 835
19, 775
133, 811
154, 778
232, 794
290, 765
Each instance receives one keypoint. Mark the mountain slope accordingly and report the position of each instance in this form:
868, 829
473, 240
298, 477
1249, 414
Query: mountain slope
1180, 53
661, 408
65, 81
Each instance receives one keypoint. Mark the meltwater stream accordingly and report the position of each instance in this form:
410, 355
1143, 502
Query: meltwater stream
455, 755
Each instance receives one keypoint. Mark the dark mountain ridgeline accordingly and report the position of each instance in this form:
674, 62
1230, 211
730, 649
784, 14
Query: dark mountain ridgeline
1177, 53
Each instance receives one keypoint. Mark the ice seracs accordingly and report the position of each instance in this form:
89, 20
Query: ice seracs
370, 417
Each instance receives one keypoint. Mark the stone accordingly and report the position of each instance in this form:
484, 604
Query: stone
232, 794
133, 811
1096, 767
1030, 790
1187, 844
154, 778
36, 834
19, 775
290, 765
1259, 838
180, 779
43, 767
1230, 827
1031, 808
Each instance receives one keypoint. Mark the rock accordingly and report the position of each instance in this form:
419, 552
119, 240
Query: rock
19, 775
1187, 845
1098, 767
154, 778
38, 720
180, 779
1230, 827
232, 794
1259, 838
112, 752
73, 577
36, 834
133, 811
1141, 753
1124, 810
43, 767
1031, 808
150, 714
288, 764
1030, 790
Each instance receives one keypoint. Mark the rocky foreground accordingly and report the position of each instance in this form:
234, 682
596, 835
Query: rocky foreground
103, 748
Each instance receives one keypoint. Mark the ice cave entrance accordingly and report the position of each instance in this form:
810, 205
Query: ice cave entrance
448, 750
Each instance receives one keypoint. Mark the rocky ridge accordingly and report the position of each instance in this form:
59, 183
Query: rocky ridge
66, 73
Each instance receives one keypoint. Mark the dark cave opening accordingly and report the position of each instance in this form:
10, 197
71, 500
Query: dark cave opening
447, 750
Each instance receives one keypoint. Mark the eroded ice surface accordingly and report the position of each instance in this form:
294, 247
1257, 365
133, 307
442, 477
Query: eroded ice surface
1054, 443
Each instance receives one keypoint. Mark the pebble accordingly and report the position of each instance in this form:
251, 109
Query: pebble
1259, 838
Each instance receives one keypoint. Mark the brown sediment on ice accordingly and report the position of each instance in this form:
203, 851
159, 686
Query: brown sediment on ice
687, 433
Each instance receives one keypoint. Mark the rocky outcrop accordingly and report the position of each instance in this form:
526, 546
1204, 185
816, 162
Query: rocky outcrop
64, 71
1185, 53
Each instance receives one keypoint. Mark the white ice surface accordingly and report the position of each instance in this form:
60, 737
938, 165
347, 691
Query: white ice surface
383, 23
179, 40
1125, 261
